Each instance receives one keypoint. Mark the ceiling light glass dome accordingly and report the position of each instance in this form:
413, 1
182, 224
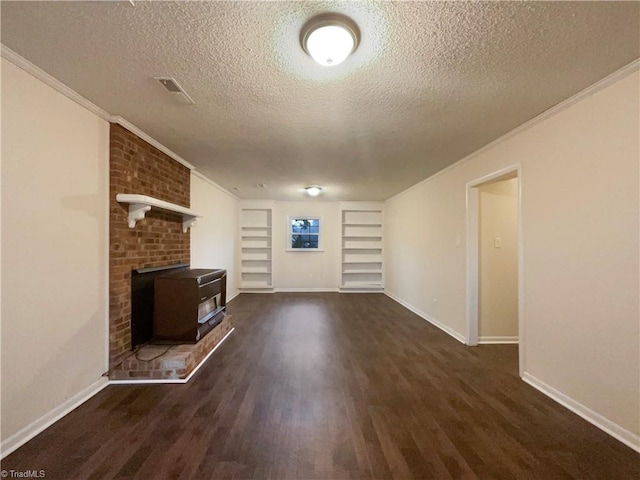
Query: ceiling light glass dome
313, 190
330, 38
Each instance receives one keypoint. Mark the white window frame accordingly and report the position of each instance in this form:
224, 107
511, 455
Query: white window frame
290, 233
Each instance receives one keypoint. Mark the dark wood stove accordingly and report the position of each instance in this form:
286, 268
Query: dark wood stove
188, 304
142, 300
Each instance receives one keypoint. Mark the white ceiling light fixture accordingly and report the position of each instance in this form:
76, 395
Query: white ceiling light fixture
330, 38
313, 190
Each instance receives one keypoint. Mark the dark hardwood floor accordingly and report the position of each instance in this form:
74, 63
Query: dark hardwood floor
331, 386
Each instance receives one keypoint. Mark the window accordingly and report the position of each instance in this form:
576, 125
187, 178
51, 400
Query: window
304, 233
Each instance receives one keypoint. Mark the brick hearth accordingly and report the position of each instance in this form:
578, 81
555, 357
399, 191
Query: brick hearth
178, 361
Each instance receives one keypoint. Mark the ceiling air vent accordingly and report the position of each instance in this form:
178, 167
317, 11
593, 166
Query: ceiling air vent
173, 86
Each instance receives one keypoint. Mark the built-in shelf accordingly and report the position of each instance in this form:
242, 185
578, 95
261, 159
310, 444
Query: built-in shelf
362, 248
255, 232
256, 285
139, 205
357, 272
356, 262
362, 285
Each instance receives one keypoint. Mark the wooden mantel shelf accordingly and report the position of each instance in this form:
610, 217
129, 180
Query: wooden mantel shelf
139, 205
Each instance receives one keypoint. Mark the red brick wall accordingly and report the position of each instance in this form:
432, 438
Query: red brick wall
157, 240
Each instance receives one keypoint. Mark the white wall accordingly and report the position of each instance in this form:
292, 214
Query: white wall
307, 270
498, 265
1, 448
580, 212
54, 247
214, 242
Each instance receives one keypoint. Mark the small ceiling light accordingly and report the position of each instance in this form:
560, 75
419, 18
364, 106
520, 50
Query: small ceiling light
313, 190
330, 38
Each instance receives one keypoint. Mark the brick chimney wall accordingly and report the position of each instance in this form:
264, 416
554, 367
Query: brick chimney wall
139, 168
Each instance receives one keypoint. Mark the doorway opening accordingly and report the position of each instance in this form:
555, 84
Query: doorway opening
494, 260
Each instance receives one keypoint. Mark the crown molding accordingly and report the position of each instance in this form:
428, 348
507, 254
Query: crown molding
250, 203
57, 85
557, 108
54, 83
60, 87
149, 139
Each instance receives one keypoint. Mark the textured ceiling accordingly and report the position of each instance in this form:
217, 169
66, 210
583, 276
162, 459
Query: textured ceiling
430, 82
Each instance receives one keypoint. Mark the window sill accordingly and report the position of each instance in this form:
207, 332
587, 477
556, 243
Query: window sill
305, 250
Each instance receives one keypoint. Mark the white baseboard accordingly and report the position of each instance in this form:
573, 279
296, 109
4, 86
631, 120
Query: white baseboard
441, 326
305, 290
616, 431
21, 437
18, 439
172, 380
233, 295
496, 340
357, 290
